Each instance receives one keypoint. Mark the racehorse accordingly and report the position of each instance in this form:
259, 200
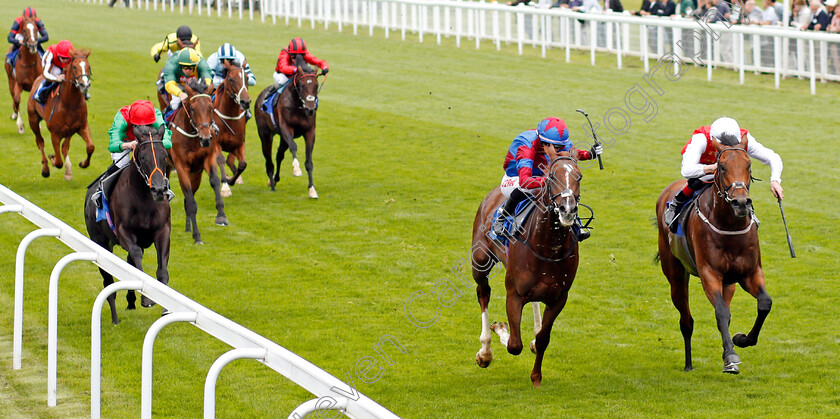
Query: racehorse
541, 261
65, 110
294, 113
231, 105
721, 247
193, 151
139, 211
27, 67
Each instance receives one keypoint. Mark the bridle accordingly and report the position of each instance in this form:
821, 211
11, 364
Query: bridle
309, 98
157, 169
723, 190
190, 119
79, 80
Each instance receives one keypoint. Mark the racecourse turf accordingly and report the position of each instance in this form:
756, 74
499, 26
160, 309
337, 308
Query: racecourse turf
411, 136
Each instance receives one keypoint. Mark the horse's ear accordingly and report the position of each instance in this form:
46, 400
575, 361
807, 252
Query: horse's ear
718, 145
743, 143
161, 129
189, 89
85, 53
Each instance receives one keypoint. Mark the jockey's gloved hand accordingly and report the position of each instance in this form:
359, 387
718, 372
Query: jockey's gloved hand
596, 150
325, 71
157, 57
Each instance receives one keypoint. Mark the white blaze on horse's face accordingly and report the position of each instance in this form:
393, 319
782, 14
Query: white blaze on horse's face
565, 200
32, 38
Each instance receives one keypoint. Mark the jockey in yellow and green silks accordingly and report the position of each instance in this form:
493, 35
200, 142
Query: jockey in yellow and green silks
175, 42
180, 67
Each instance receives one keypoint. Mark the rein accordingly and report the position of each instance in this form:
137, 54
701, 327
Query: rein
724, 193
157, 169
236, 97
302, 101
190, 119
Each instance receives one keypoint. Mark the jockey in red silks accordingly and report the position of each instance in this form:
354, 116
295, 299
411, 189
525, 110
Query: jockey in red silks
39, 33
530, 153
285, 63
699, 161
54, 60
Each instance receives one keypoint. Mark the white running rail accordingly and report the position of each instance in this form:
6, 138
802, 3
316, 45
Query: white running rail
331, 393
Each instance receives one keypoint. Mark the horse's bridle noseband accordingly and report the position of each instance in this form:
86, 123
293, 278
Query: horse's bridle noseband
723, 190
210, 124
297, 89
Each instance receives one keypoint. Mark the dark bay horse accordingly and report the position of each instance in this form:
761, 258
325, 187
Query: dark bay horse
232, 103
27, 67
295, 117
722, 241
193, 151
65, 111
541, 263
139, 211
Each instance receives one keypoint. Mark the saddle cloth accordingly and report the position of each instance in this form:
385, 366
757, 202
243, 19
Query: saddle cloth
523, 210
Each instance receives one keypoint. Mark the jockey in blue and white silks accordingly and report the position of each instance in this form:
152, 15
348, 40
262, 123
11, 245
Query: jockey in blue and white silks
229, 52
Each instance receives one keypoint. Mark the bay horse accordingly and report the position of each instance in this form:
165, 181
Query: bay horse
540, 263
721, 239
139, 210
65, 111
27, 67
294, 113
193, 151
231, 105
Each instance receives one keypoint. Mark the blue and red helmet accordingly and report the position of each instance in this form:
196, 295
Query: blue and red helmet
554, 131
29, 12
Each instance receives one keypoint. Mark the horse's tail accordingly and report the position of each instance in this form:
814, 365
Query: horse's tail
656, 258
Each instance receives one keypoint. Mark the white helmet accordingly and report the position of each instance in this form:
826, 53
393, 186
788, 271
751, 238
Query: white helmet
726, 131
227, 52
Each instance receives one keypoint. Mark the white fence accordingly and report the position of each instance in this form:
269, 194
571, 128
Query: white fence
332, 393
784, 52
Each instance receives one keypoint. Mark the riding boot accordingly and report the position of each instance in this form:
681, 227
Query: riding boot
507, 212
674, 207
581, 232
271, 90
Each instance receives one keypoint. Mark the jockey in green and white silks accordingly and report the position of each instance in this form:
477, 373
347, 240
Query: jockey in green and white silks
228, 52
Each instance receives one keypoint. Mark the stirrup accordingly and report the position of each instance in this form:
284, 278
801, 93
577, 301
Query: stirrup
97, 199
671, 212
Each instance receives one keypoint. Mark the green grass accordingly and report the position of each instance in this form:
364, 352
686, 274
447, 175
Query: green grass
411, 136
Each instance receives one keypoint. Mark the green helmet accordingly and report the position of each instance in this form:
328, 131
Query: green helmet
188, 56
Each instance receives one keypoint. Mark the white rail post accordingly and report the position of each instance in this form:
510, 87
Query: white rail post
52, 327
319, 404
568, 29
17, 341
739, 41
96, 342
148, 354
823, 60
813, 67
619, 39
593, 39
777, 59
708, 56
643, 39
404, 19
458, 18
216, 368
520, 31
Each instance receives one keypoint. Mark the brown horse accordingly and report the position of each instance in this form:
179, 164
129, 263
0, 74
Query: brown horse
294, 114
139, 211
721, 247
232, 103
540, 264
194, 152
65, 111
27, 67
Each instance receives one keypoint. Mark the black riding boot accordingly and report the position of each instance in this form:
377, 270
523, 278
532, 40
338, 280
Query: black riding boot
674, 207
106, 183
507, 212
581, 232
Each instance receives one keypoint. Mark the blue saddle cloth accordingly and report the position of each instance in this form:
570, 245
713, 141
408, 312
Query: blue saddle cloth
104, 213
521, 213
13, 56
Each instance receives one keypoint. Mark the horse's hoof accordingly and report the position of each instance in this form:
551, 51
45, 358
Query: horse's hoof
198, 242
499, 327
68, 177
534, 346
688, 369
742, 341
536, 380
14, 115
145, 302
131, 306
312, 193
484, 360
221, 221
239, 181
45, 174
20, 129
730, 363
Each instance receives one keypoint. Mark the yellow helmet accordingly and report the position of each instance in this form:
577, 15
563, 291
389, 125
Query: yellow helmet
188, 56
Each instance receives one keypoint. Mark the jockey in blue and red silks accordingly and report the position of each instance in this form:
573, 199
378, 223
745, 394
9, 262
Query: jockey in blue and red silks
15, 37
530, 152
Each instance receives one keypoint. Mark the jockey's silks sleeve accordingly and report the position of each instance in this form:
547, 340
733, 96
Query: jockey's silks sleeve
170, 44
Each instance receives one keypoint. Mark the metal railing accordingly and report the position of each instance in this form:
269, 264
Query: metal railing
332, 393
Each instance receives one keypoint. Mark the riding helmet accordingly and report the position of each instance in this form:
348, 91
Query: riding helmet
297, 46
184, 33
188, 56
726, 131
554, 131
62, 49
29, 12
227, 52
141, 112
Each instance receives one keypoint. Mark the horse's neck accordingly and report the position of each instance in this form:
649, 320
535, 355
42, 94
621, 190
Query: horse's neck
544, 227
720, 212
224, 103
69, 93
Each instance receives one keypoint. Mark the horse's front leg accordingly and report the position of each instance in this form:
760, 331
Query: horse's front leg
190, 206
162, 247
755, 286
514, 314
65, 157
713, 285
544, 335
134, 258
215, 182
535, 306
16, 105
287, 140
309, 139
89, 147
237, 156
34, 124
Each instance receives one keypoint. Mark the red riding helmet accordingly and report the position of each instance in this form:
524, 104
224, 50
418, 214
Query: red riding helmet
62, 49
141, 112
29, 12
297, 46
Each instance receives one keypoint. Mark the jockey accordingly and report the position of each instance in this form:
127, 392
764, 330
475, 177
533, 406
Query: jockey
531, 152
175, 42
185, 64
228, 52
699, 161
55, 59
141, 112
285, 63
15, 37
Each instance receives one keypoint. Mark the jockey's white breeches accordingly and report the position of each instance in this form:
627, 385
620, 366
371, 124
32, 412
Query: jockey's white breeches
280, 78
121, 161
174, 102
509, 183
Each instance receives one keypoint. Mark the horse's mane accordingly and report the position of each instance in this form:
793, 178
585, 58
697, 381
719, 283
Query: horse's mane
143, 131
197, 84
79, 53
301, 62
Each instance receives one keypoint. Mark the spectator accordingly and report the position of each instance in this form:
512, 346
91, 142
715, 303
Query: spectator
819, 17
834, 27
702, 8
663, 8
723, 13
800, 16
779, 8
644, 10
769, 17
560, 4
586, 6
686, 7
518, 2
752, 14
615, 5
831, 6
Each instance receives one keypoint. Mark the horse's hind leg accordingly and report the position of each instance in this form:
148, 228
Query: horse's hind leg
544, 336
16, 115
281, 152
755, 286
535, 305
35, 126
309, 138
678, 278
65, 158
237, 156
89, 147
